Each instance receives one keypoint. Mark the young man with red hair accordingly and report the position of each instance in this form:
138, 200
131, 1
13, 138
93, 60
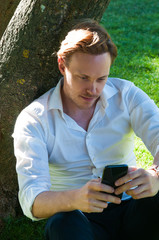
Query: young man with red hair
65, 138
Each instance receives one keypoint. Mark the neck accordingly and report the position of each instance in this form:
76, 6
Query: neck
81, 116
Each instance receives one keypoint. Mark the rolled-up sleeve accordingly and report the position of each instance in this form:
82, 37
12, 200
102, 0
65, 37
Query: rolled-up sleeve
144, 115
32, 160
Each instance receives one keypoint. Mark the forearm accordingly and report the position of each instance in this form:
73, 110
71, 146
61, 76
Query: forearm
48, 203
92, 197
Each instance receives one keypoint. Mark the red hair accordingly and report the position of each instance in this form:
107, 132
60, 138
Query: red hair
87, 37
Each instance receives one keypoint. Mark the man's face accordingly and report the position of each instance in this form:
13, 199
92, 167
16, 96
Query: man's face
84, 79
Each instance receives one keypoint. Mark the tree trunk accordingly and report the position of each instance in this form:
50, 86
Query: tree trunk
28, 69
7, 8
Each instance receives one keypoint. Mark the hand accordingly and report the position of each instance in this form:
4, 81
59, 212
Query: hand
138, 183
93, 196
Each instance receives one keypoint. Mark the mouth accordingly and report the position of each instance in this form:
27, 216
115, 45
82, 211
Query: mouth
88, 99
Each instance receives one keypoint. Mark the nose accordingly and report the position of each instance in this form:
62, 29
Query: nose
92, 89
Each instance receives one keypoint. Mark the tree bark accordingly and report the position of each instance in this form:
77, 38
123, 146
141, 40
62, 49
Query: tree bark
28, 68
7, 8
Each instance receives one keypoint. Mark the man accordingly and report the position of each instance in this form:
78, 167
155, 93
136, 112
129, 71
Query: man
64, 139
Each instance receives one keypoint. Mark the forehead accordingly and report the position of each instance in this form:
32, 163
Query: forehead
88, 64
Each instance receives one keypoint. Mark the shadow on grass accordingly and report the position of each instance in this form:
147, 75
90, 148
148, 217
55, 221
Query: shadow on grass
22, 228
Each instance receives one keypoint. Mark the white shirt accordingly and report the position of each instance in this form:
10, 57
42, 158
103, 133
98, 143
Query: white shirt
54, 153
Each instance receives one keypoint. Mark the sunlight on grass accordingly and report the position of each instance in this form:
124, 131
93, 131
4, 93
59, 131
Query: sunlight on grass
134, 29
143, 156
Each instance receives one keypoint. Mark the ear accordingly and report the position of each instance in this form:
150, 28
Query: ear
61, 65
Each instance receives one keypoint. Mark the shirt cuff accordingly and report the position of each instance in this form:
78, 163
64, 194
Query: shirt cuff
27, 204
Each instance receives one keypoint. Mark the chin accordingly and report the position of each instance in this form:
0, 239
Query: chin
86, 106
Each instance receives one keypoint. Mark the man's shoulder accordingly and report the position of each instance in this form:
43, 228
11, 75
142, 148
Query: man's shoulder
40, 104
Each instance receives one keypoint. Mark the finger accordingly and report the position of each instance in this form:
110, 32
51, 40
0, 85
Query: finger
141, 189
141, 195
132, 174
107, 197
106, 188
96, 206
99, 204
95, 209
99, 196
113, 199
100, 187
132, 169
96, 180
129, 185
136, 191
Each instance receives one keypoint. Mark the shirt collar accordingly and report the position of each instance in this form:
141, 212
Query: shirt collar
108, 92
55, 101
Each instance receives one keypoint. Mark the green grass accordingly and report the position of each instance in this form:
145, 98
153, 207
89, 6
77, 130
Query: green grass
134, 27
22, 228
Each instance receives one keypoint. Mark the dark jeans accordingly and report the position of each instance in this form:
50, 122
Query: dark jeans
132, 219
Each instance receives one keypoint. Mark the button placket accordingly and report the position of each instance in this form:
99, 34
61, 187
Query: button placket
90, 149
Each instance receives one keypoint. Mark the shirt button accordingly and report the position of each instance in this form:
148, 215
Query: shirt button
88, 136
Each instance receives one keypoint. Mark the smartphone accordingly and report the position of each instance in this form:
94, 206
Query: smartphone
111, 173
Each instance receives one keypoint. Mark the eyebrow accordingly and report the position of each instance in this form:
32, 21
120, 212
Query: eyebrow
85, 75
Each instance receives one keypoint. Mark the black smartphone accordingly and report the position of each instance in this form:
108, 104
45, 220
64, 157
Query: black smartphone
111, 173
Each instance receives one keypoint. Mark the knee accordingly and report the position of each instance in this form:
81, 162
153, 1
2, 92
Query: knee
65, 225
54, 225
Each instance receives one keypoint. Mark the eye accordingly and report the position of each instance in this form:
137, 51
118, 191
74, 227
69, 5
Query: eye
83, 77
104, 78
101, 79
